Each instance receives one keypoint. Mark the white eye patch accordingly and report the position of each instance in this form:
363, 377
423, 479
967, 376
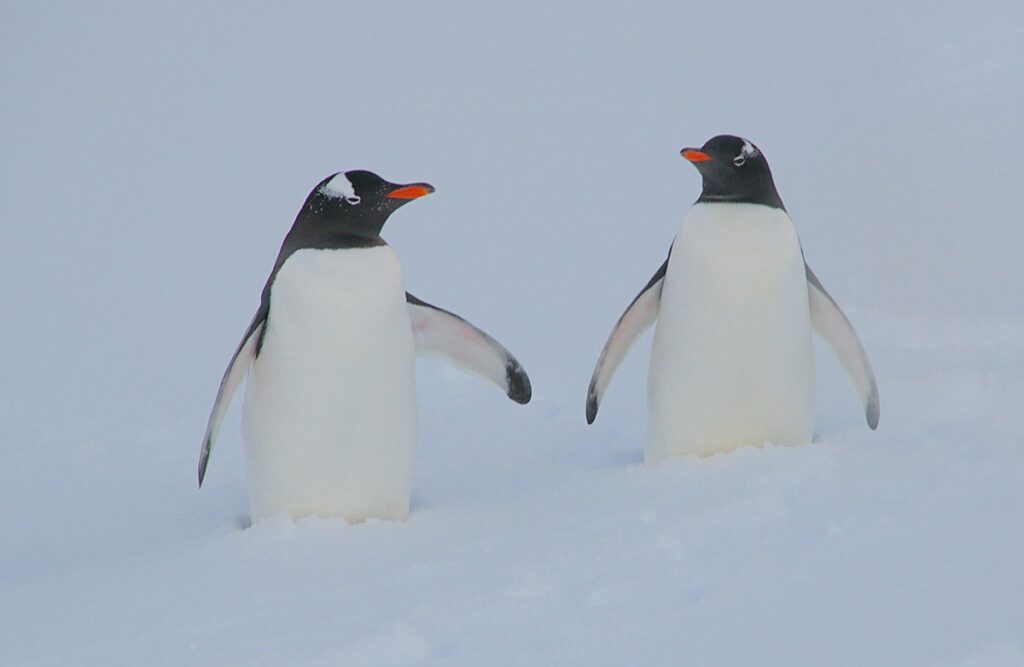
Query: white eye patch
340, 187
748, 151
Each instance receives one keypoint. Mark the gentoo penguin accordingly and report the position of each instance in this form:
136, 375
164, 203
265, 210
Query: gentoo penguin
732, 362
330, 407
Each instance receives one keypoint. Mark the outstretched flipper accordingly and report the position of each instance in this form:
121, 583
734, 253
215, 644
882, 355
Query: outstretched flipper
831, 324
639, 316
439, 332
236, 370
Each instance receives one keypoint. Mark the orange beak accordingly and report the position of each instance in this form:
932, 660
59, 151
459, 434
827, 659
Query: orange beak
694, 155
411, 191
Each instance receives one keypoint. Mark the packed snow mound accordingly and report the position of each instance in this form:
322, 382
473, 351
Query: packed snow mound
538, 540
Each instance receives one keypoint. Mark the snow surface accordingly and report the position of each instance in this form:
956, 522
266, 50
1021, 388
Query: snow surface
533, 539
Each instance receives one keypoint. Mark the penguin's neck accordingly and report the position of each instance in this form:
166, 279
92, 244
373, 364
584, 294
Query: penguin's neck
318, 235
763, 193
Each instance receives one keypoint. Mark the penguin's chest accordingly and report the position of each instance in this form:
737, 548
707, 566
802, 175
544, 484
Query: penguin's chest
732, 362
330, 413
338, 325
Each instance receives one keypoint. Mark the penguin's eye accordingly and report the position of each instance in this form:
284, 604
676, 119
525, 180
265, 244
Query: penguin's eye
748, 151
341, 187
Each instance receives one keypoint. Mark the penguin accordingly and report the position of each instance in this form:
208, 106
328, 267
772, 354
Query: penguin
732, 362
329, 418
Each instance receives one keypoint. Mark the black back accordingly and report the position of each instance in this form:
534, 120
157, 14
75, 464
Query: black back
736, 172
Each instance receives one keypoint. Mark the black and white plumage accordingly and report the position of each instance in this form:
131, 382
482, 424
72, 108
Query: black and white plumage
330, 408
735, 303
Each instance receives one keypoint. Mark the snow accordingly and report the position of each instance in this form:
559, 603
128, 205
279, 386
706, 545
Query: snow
533, 538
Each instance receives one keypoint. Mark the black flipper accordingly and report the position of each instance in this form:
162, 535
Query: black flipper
639, 316
239, 365
437, 331
831, 324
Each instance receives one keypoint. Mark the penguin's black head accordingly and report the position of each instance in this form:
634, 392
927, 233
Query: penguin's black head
357, 203
734, 170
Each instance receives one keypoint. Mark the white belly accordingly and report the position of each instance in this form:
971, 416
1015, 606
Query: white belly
732, 362
330, 406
